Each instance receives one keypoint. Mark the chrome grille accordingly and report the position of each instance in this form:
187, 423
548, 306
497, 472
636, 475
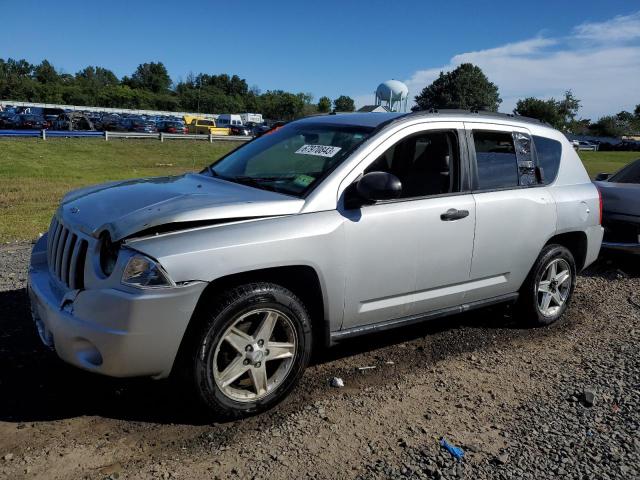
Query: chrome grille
66, 254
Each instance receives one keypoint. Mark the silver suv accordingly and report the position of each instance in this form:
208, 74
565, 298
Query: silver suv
328, 228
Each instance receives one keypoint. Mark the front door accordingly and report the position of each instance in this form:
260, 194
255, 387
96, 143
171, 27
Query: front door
411, 255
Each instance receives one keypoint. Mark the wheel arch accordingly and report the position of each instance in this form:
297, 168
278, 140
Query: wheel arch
302, 280
576, 242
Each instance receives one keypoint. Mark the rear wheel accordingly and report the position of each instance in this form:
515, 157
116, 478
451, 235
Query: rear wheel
547, 291
251, 350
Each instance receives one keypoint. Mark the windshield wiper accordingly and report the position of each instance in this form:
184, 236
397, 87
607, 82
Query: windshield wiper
212, 172
258, 182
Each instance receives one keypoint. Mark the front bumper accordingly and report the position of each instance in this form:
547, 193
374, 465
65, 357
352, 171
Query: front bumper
120, 333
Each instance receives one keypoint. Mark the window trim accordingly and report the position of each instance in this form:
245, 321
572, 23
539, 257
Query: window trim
474, 161
463, 177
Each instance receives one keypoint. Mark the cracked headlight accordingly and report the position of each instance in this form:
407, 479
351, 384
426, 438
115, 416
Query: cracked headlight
142, 272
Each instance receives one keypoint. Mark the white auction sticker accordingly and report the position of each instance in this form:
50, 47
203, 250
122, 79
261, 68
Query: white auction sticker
318, 150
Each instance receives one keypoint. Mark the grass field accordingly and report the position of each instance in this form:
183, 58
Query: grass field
35, 174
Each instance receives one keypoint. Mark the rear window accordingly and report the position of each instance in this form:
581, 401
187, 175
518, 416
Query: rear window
548, 152
629, 174
496, 160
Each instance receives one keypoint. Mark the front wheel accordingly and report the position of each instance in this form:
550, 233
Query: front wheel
546, 292
252, 349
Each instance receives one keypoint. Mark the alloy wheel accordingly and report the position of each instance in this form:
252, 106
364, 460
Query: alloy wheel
255, 354
554, 287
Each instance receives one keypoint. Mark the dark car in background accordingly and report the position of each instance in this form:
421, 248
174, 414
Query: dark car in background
8, 120
138, 125
113, 123
621, 208
28, 121
241, 130
172, 126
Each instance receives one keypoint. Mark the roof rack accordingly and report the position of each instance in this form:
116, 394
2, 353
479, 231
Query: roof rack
483, 113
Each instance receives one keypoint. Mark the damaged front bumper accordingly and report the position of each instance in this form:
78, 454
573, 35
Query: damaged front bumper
120, 333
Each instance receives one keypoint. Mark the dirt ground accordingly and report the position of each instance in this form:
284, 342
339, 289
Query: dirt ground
516, 400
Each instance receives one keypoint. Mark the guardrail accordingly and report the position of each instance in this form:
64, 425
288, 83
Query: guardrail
44, 134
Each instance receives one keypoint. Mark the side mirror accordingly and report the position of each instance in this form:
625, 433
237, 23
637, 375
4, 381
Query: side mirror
379, 186
602, 176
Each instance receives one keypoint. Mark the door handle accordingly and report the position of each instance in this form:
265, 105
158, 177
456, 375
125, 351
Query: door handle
453, 214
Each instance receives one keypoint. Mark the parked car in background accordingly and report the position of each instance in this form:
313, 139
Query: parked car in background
227, 120
584, 145
628, 146
139, 125
172, 126
241, 130
258, 130
8, 120
621, 208
113, 123
205, 126
251, 118
27, 121
328, 228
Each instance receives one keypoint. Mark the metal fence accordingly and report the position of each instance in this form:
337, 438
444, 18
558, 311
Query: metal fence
44, 134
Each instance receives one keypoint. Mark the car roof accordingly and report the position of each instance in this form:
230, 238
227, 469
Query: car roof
352, 119
377, 119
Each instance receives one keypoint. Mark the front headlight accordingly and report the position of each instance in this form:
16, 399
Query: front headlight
142, 272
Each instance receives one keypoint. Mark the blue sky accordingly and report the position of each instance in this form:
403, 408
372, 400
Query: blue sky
330, 48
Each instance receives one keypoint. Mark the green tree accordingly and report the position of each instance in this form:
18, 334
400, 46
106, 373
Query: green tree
465, 87
280, 105
150, 76
324, 105
568, 109
636, 112
607, 126
560, 114
46, 73
545, 110
344, 104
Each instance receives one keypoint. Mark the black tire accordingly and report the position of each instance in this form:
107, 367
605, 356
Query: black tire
527, 306
216, 316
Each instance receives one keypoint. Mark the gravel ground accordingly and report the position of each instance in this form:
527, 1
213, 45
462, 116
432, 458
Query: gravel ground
556, 402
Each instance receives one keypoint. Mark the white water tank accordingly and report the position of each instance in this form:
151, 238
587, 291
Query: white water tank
393, 94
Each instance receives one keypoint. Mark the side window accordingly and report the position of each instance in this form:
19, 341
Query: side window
496, 160
548, 153
426, 163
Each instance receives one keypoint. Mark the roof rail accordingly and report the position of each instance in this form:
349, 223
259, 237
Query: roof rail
483, 113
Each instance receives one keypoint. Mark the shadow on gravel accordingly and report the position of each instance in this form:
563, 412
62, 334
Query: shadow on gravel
37, 386
612, 266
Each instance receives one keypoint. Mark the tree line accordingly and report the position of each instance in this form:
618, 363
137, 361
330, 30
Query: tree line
151, 88
467, 87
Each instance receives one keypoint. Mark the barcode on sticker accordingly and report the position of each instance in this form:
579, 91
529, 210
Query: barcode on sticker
318, 150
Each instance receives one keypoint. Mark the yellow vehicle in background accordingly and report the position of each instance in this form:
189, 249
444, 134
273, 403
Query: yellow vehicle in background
204, 126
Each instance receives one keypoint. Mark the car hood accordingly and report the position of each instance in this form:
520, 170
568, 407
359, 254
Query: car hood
129, 207
621, 198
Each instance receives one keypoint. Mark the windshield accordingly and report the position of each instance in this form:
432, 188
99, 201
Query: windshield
292, 159
629, 174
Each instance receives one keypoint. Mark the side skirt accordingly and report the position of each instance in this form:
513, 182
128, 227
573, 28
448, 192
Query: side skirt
336, 337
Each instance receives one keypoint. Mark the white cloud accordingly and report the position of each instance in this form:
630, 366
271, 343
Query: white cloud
599, 62
620, 28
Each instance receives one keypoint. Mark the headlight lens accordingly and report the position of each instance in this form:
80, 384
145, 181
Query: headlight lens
142, 272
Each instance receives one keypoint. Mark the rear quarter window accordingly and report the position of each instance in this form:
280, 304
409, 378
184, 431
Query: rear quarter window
548, 152
496, 160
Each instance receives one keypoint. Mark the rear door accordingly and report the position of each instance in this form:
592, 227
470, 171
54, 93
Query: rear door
515, 213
